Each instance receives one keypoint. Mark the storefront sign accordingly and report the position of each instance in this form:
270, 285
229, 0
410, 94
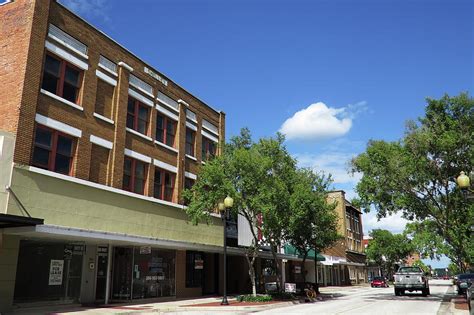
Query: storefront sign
145, 250
290, 287
198, 264
56, 272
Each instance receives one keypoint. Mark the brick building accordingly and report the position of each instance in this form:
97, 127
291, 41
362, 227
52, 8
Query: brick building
346, 261
96, 147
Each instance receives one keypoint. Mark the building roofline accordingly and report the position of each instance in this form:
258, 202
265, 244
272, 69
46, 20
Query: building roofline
133, 54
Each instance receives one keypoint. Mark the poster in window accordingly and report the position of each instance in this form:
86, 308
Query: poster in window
56, 268
198, 264
297, 269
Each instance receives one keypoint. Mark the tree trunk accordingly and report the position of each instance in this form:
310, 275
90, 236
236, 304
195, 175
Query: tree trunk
303, 269
277, 267
251, 262
316, 279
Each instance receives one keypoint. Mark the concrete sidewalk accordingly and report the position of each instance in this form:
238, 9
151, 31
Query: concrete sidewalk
176, 306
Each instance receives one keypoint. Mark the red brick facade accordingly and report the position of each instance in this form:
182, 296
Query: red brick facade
23, 36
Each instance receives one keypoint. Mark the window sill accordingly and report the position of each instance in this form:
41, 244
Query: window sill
166, 146
62, 100
108, 70
191, 157
103, 118
136, 133
100, 186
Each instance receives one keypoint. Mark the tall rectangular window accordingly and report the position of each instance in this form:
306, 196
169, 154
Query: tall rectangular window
61, 78
164, 185
190, 138
208, 149
137, 116
53, 150
165, 130
134, 175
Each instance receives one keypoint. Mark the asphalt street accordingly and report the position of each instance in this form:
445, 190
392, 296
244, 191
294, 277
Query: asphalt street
366, 300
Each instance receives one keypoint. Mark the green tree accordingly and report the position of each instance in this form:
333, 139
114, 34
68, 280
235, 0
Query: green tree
416, 175
422, 265
388, 250
313, 222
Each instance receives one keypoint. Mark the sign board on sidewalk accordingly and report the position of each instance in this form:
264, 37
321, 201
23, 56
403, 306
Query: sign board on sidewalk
290, 287
56, 268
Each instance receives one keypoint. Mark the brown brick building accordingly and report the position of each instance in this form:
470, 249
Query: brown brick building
96, 147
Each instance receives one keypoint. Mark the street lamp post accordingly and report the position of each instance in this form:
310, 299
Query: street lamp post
464, 183
224, 208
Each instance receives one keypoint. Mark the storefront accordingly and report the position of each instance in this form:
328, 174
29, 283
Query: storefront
54, 268
143, 272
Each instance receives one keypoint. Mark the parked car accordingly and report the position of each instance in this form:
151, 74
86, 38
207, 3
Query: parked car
411, 279
463, 282
470, 298
379, 282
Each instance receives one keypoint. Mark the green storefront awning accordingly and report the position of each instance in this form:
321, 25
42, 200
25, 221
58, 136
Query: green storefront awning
290, 250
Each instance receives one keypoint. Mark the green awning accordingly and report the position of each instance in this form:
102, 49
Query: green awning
290, 250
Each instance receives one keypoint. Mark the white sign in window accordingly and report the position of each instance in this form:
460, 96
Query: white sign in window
56, 268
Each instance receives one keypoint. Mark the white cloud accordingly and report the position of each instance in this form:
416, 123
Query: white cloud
334, 163
394, 223
89, 8
318, 121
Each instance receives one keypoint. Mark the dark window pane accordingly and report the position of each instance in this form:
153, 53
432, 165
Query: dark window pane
142, 126
72, 76
139, 186
131, 105
64, 146
70, 92
43, 137
62, 163
41, 157
127, 166
168, 180
50, 83
130, 121
52, 65
126, 181
143, 113
139, 170
170, 139
160, 122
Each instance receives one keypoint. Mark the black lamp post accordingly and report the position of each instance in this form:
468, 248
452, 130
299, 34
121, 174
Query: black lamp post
224, 208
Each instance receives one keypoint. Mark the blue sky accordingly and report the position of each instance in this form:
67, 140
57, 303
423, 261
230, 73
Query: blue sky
330, 74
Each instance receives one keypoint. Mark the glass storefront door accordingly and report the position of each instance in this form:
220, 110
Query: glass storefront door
48, 271
149, 273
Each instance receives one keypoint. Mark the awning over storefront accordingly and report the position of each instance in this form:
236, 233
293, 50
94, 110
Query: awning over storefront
290, 250
13, 221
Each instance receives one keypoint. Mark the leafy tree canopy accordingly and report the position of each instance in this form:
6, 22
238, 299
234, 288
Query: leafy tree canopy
416, 176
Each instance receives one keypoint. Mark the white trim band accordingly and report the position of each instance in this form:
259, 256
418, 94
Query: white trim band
138, 134
191, 126
209, 136
57, 125
123, 64
166, 146
105, 78
62, 100
191, 157
183, 102
137, 156
165, 166
166, 112
190, 175
66, 55
140, 97
101, 142
108, 120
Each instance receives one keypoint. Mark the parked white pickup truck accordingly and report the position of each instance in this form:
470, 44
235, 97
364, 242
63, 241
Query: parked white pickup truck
411, 279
